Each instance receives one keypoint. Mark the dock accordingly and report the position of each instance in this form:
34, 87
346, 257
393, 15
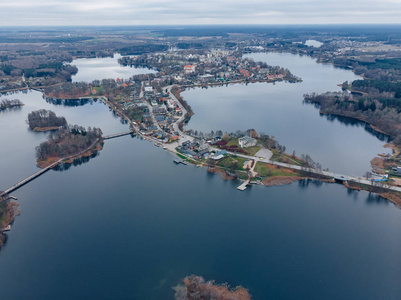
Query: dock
243, 186
8, 228
179, 161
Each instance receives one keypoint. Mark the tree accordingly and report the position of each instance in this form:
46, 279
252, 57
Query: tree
233, 167
368, 175
210, 162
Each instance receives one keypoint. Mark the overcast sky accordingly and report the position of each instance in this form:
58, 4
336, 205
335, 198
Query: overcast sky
148, 12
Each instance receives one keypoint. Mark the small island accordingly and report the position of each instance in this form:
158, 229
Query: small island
45, 120
69, 143
6, 103
195, 287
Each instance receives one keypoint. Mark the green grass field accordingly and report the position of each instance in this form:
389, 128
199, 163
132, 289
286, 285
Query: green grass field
266, 170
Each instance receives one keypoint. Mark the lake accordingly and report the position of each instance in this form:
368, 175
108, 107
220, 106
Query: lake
313, 43
340, 144
90, 69
130, 224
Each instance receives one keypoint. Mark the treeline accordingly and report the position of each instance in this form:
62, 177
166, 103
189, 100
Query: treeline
68, 90
378, 85
176, 90
378, 69
67, 141
383, 113
139, 49
6, 103
45, 118
41, 64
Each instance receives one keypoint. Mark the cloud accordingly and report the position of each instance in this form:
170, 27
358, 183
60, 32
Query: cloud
133, 12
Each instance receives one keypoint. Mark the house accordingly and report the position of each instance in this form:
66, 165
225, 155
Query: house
159, 134
152, 128
189, 69
189, 152
148, 89
247, 141
219, 155
173, 139
201, 154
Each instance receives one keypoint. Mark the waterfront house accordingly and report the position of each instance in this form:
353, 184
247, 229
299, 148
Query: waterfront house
219, 155
247, 141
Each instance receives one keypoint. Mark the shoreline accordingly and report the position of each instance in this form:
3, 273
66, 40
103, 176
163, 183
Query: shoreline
43, 129
11, 211
97, 146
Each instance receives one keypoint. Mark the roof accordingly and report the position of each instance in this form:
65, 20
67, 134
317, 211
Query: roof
247, 139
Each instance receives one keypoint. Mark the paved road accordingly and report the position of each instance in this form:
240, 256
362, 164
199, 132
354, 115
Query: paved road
183, 136
326, 173
265, 153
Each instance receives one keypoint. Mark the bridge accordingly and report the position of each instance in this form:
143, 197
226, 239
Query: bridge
33, 176
112, 136
44, 170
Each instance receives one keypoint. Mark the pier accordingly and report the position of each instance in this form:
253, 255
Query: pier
7, 228
243, 186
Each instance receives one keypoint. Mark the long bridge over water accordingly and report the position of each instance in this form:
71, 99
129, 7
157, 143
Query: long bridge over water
44, 170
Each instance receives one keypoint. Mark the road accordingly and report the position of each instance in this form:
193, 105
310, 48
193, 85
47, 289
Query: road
183, 137
176, 128
319, 172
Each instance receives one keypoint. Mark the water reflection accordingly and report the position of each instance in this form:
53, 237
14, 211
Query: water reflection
11, 109
375, 199
70, 102
304, 183
356, 123
77, 162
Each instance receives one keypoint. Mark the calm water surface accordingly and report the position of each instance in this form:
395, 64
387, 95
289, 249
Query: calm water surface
340, 144
19, 142
313, 43
90, 69
129, 224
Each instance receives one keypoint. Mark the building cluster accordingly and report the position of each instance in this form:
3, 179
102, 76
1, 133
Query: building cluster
209, 67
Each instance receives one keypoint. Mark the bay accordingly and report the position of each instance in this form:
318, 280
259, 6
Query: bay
341, 144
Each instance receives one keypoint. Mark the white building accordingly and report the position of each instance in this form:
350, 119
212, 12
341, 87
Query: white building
247, 141
189, 69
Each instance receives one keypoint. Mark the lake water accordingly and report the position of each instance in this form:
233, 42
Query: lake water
313, 43
129, 224
90, 69
19, 142
340, 144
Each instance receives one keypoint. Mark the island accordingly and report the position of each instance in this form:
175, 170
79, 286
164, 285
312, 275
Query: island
6, 104
45, 120
155, 110
69, 143
195, 287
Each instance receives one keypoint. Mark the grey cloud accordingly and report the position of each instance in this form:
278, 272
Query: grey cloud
117, 12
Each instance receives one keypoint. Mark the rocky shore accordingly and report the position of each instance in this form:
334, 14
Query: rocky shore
196, 288
8, 211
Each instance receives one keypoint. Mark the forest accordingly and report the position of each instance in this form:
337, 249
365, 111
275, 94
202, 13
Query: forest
45, 119
382, 113
68, 141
